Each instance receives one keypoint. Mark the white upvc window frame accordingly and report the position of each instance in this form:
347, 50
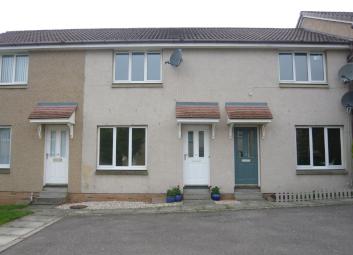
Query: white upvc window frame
7, 166
129, 166
308, 53
14, 69
327, 165
145, 66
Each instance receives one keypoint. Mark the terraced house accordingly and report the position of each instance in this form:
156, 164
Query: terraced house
104, 112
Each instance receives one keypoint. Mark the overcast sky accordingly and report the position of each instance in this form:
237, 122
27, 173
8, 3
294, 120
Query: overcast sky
57, 14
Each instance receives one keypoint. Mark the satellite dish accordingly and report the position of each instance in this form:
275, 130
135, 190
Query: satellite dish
346, 73
176, 58
347, 101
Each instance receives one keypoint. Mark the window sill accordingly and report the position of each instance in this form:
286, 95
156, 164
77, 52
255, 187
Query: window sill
13, 86
137, 85
303, 85
4, 170
121, 172
322, 172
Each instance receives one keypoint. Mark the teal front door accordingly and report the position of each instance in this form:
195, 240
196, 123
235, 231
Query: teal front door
246, 158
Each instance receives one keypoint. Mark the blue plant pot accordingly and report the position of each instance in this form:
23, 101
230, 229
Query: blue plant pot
170, 199
216, 197
178, 198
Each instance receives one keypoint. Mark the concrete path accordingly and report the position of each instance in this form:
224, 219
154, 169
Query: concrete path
323, 230
16, 231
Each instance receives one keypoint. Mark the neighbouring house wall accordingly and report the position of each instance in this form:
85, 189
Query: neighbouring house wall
329, 27
219, 75
53, 76
296, 106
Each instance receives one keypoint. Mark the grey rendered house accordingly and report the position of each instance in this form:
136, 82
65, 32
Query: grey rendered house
100, 110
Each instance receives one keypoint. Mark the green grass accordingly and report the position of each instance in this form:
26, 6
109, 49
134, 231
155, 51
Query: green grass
12, 212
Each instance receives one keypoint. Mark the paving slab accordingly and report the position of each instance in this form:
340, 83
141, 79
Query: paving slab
25, 224
39, 218
5, 239
15, 231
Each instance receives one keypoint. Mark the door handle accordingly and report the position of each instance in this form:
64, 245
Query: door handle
185, 156
46, 155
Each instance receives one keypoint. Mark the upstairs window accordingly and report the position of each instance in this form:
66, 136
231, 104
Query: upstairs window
13, 69
137, 67
319, 147
302, 67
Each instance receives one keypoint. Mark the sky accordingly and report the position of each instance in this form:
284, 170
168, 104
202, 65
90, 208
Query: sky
63, 14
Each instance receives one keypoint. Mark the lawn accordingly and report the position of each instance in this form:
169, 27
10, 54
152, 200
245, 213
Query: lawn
12, 212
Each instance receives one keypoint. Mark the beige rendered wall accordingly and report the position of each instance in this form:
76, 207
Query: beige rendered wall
53, 77
219, 75
329, 27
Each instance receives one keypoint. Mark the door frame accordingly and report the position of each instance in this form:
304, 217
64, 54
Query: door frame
209, 152
46, 130
258, 151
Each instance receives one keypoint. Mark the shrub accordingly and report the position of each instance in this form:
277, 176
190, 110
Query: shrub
177, 190
171, 193
215, 190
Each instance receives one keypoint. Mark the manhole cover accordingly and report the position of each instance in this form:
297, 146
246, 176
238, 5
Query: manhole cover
78, 206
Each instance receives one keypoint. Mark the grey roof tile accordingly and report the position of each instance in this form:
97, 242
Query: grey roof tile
165, 35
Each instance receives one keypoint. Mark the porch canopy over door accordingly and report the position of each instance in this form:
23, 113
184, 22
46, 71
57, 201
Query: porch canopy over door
60, 113
197, 113
249, 113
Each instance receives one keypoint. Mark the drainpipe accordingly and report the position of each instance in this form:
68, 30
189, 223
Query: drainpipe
350, 88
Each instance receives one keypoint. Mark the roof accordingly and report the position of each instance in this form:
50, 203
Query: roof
237, 110
198, 110
165, 35
45, 110
337, 16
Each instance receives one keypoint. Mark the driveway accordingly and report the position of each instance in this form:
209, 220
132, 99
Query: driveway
304, 231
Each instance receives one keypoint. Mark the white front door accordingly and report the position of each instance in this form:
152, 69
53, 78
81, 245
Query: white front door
56, 154
196, 155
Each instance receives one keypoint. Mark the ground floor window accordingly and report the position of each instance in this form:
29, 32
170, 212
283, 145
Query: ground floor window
5, 147
122, 147
319, 147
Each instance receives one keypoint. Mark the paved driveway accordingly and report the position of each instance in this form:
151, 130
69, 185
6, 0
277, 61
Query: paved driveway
304, 231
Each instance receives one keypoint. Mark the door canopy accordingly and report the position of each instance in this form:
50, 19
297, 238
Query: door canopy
53, 113
197, 113
253, 113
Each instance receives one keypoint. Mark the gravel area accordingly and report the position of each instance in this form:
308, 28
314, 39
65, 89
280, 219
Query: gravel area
227, 202
116, 205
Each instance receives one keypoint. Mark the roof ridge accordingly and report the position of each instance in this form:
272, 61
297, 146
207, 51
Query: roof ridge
326, 12
136, 28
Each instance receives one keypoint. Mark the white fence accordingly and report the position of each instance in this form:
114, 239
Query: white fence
282, 197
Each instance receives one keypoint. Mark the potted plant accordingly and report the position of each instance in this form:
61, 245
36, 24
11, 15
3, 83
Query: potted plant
178, 195
170, 196
215, 193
